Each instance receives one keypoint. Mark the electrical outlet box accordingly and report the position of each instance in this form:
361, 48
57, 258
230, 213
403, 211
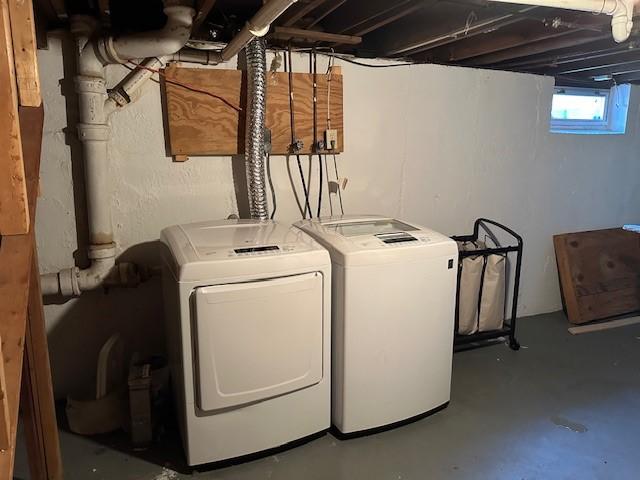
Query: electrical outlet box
331, 139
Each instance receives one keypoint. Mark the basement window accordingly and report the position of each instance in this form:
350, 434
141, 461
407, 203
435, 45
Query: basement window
590, 111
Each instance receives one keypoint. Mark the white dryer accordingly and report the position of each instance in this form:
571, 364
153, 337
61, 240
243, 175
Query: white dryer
248, 328
393, 308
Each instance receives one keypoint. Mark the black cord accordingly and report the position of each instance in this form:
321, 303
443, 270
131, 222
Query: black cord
369, 65
335, 166
328, 185
273, 192
307, 207
319, 185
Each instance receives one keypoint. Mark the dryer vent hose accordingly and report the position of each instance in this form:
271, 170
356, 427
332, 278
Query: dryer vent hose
254, 148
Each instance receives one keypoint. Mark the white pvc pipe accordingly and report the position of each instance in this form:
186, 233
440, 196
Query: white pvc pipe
94, 131
258, 26
166, 41
621, 11
593, 6
127, 90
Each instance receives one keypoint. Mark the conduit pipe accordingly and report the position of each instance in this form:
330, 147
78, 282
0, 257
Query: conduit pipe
94, 131
621, 11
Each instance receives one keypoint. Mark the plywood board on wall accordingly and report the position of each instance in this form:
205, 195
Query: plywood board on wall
599, 273
205, 110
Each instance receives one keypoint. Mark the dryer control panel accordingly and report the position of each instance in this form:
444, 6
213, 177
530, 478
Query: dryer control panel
257, 250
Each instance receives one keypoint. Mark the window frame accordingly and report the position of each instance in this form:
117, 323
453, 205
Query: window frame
583, 92
615, 116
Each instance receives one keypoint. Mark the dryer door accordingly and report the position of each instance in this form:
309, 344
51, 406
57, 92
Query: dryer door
257, 340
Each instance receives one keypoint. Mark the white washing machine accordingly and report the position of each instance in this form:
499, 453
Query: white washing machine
393, 312
248, 329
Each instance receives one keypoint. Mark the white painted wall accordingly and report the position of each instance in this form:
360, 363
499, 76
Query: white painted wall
435, 145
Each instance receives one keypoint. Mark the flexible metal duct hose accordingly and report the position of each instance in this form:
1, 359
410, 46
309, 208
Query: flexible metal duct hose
254, 133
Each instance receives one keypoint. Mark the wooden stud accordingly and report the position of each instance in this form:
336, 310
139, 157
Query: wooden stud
5, 420
23, 32
14, 210
37, 402
180, 158
16, 253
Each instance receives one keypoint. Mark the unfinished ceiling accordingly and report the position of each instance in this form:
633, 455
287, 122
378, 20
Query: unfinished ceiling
576, 48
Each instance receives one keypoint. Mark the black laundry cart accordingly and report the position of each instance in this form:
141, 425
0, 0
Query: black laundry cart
514, 246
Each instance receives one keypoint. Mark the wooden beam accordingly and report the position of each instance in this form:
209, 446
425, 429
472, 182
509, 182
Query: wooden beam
203, 12
14, 211
459, 32
37, 403
302, 11
288, 33
572, 54
564, 81
628, 77
383, 18
536, 48
23, 33
590, 67
504, 42
324, 11
16, 253
577, 56
5, 417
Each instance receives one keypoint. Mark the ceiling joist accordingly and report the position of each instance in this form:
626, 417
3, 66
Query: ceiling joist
313, 36
462, 31
472, 33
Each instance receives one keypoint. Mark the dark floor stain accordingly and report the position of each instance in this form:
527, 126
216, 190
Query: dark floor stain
568, 424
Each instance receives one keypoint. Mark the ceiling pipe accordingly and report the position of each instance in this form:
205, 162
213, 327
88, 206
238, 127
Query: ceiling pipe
94, 132
621, 11
258, 26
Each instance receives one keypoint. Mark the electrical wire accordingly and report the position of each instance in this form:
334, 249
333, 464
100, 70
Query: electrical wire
326, 168
335, 166
314, 72
307, 207
273, 192
186, 85
369, 65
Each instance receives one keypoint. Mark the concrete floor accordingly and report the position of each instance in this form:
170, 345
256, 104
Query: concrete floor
563, 407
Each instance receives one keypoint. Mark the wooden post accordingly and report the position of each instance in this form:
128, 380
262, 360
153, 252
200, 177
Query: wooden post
14, 211
5, 422
37, 403
23, 33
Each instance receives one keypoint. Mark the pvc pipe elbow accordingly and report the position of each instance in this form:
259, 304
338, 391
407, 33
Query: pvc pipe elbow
622, 20
166, 41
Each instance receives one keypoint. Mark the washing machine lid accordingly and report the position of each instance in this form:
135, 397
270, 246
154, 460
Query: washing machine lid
371, 239
234, 248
